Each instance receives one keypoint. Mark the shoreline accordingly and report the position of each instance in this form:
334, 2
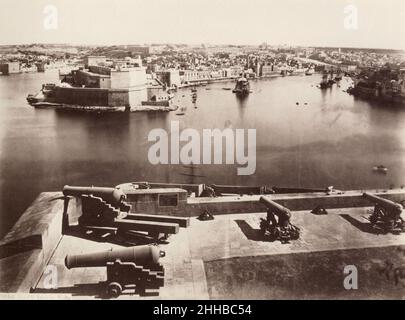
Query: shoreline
372, 95
146, 107
102, 109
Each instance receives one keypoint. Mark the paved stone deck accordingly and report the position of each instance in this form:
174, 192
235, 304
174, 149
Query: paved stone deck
227, 236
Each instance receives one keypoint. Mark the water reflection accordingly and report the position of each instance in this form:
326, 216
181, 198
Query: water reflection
306, 137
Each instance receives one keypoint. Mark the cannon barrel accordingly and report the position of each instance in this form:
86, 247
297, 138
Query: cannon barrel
385, 203
142, 255
275, 207
112, 195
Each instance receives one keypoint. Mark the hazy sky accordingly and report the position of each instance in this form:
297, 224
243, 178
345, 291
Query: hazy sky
381, 23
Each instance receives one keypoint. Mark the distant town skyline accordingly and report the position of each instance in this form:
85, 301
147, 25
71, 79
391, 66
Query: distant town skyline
315, 23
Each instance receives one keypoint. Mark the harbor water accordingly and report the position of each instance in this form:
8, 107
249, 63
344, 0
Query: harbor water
305, 136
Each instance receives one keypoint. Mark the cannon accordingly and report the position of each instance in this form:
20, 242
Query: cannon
134, 267
386, 215
281, 228
112, 195
99, 203
106, 209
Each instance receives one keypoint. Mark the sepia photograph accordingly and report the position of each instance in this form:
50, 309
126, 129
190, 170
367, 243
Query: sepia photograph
202, 150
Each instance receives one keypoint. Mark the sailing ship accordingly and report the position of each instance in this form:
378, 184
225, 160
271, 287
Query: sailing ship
339, 76
242, 86
325, 82
331, 79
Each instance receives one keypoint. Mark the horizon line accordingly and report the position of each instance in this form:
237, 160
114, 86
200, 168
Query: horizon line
200, 44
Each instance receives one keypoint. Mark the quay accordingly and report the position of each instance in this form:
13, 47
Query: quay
222, 258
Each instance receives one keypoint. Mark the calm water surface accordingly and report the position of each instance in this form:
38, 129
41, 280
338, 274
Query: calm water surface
334, 139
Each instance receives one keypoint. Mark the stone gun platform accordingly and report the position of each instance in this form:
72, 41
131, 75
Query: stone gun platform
226, 258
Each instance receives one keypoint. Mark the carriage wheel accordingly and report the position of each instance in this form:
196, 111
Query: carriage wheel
114, 289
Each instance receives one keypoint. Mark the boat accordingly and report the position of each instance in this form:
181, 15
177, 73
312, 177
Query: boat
380, 168
338, 76
331, 81
297, 72
182, 111
242, 86
324, 82
170, 94
309, 72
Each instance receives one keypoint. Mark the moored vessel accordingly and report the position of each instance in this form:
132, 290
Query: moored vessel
242, 86
310, 71
325, 82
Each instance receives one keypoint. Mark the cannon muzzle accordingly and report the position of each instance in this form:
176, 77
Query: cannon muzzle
384, 203
112, 195
142, 255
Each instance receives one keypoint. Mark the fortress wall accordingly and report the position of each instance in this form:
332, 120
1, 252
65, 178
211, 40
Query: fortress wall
294, 202
118, 98
100, 97
137, 96
27, 248
82, 96
100, 70
125, 97
133, 78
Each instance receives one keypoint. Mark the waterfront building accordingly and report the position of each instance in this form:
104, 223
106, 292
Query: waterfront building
270, 71
233, 72
381, 84
94, 60
100, 85
347, 67
196, 76
190, 76
7, 68
170, 78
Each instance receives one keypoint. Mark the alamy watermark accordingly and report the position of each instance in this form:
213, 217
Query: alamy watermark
188, 147
50, 277
50, 21
351, 20
351, 280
